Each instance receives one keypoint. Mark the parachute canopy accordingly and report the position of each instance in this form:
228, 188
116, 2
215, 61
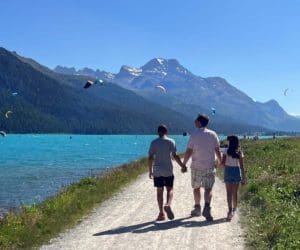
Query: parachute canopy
285, 91
160, 87
213, 111
8, 113
2, 133
89, 83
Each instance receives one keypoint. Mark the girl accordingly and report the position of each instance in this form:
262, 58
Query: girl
234, 173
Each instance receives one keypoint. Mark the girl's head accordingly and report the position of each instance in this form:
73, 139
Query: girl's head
233, 147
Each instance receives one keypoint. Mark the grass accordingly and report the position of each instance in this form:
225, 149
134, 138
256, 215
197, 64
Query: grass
271, 199
37, 224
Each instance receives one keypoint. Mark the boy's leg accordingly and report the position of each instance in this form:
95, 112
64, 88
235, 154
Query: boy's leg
169, 196
160, 198
167, 207
197, 196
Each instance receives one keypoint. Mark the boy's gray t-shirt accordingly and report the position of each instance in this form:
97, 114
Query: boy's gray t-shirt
162, 148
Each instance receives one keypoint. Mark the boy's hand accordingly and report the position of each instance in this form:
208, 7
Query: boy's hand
183, 169
150, 175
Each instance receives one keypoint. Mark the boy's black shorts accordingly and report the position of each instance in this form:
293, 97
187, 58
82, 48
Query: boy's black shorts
164, 181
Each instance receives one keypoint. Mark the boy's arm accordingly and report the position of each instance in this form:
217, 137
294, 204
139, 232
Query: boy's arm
242, 171
150, 165
178, 160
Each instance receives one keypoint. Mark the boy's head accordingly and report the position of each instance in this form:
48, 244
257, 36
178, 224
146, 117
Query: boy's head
162, 130
201, 121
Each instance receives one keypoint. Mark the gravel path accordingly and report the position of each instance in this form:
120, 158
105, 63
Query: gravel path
126, 221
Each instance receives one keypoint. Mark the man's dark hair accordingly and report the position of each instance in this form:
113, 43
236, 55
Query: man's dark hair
203, 119
162, 130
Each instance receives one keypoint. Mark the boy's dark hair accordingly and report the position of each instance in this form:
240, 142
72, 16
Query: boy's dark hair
203, 119
233, 147
162, 130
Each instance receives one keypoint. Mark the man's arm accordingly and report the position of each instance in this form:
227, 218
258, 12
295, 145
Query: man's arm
150, 165
187, 155
218, 154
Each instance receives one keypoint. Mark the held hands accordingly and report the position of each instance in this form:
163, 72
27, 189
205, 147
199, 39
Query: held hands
183, 169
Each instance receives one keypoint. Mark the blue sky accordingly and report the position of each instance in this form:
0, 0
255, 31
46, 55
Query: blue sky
254, 44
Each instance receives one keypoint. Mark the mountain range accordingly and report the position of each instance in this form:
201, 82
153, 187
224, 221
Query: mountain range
42, 100
187, 93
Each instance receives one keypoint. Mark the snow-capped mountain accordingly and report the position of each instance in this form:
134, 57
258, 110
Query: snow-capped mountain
188, 89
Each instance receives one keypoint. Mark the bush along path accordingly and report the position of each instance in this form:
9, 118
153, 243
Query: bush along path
127, 221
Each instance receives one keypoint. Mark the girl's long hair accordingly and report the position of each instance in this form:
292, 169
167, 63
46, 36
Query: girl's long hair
233, 148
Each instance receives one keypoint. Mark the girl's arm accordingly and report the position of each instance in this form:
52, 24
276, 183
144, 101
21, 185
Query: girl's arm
223, 160
242, 171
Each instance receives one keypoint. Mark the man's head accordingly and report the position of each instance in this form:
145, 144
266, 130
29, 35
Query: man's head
201, 121
162, 130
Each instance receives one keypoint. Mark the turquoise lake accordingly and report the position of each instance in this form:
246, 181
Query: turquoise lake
33, 167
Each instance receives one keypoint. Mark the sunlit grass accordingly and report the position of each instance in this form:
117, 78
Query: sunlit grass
271, 200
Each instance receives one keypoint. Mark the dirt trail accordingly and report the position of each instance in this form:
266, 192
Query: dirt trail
126, 221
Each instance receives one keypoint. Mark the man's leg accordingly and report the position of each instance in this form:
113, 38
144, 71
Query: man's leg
209, 180
197, 197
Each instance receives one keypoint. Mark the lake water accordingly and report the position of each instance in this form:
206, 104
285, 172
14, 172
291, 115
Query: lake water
33, 167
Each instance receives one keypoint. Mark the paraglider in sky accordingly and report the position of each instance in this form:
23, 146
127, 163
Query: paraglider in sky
89, 83
2, 133
162, 88
8, 113
213, 111
14, 93
285, 91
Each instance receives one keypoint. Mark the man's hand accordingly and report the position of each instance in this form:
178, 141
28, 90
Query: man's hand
183, 169
150, 175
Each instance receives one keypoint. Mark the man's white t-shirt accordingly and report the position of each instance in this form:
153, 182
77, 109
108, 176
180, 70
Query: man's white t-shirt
203, 142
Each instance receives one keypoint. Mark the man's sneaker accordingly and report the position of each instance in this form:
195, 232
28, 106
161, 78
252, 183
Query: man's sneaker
196, 211
169, 212
206, 214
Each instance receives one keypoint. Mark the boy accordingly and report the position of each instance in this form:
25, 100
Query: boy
161, 169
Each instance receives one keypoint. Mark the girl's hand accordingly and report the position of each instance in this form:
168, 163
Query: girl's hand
150, 175
244, 181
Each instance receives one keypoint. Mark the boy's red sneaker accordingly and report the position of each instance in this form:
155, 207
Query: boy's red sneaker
161, 217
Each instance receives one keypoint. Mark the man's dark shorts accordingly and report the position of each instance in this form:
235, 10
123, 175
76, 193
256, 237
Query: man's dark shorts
164, 181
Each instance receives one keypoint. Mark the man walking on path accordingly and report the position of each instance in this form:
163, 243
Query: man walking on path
160, 153
202, 146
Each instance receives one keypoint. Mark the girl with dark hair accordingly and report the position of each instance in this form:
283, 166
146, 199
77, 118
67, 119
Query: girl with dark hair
234, 173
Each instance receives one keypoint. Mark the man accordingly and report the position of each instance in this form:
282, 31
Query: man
202, 146
160, 153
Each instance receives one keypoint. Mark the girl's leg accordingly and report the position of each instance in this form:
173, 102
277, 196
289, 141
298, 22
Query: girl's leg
235, 188
160, 198
229, 195
169, 196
